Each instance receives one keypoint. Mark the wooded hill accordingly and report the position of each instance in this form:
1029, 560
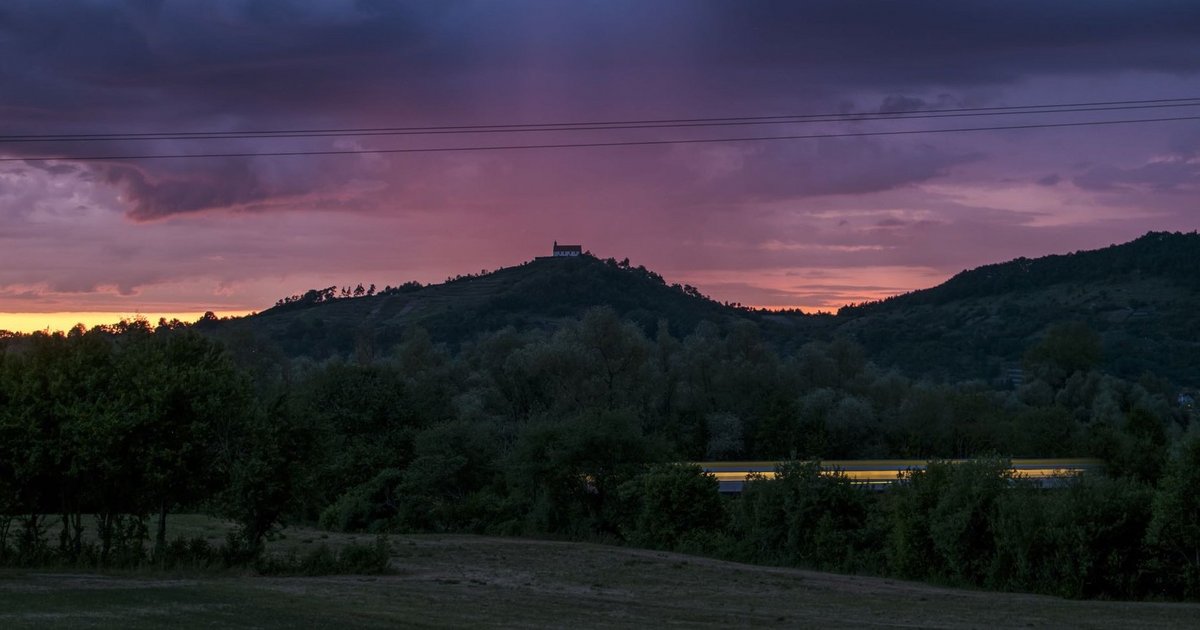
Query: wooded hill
537, 295
1140, 297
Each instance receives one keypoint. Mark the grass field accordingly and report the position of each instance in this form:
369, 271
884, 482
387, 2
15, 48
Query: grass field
463, 581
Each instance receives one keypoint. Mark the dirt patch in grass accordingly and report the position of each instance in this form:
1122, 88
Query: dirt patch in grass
504, 581
469, 581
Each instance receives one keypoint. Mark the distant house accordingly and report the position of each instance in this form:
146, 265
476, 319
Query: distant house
567, 250
1186, 400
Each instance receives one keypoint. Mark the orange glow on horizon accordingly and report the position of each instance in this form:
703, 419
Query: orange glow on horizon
63, 321
812, 290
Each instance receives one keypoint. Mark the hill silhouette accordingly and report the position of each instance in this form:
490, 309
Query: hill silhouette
1161, 255
539, 294
1141, 298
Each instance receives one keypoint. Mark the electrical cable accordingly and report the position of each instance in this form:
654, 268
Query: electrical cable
97, 158
628, 124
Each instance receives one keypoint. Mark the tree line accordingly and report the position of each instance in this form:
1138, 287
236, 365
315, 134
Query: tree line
576, 433
115, 428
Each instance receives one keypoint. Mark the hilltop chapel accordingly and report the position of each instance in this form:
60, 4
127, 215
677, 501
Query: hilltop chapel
567, 250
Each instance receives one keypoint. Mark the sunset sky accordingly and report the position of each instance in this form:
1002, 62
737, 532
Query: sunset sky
812, 223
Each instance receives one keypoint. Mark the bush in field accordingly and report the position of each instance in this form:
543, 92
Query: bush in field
670, 503
941, 520
365, 559
193, 553
354, 558
371, 506
803, 516
1174, 531
1083, 540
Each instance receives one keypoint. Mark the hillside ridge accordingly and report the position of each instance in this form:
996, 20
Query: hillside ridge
1171, 255
1141, 297
538, 294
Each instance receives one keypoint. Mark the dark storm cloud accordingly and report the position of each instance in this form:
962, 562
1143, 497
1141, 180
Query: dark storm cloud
149, 66
210, 58
90, 66
837, 167
227, 183
248, 56
958, 42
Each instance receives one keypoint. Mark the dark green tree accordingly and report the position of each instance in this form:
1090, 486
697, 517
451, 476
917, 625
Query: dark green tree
805, 516
181, 387
671, 504
1174, 531
1066, 349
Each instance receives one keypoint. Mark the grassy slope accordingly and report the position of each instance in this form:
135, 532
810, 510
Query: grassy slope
464, 581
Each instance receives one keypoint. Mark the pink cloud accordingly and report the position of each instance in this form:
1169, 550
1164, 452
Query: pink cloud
806, 223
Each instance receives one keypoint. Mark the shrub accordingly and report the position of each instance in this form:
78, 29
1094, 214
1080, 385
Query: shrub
368, 559
941, 520
670, 502
805, 517
1080, 541
1174, 531
370, 506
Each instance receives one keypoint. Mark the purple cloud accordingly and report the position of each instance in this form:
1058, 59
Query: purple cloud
1174, 174
240, 232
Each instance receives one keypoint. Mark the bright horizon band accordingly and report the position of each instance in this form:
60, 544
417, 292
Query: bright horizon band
63, 321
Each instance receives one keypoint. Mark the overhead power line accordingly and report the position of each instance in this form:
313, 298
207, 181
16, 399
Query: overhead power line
620, 124
237, 135
568, 145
